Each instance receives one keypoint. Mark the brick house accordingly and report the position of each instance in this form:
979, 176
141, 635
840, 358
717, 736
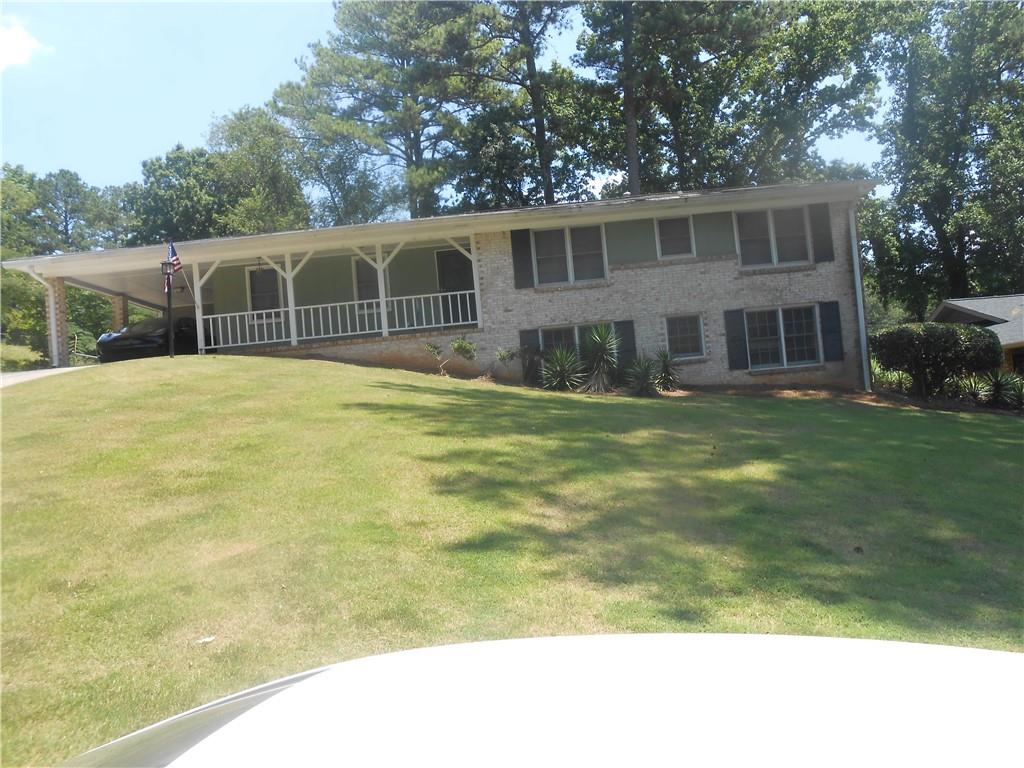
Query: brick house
749, 286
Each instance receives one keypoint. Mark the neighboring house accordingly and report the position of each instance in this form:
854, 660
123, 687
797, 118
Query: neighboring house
1003, 314
750, 286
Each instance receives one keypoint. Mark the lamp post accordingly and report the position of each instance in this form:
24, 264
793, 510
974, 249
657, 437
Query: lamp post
167, 270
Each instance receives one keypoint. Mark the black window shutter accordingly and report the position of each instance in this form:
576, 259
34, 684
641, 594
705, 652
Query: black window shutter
736, 340
627, 342
522, 258
821, 232
831, 332
529, 354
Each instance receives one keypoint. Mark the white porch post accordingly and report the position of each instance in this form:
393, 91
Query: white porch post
472, 256
290, 286
52, 325
475, 259
198, 298
381, 290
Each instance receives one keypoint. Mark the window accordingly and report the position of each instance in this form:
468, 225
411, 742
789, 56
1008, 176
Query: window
587, 253
569, 336
558, 337
685, 336
801, 334
367, 288
781, 338
754, 238
763, 339
674, 237
549, 249
264, 289
568, 255
778, 236
790, 235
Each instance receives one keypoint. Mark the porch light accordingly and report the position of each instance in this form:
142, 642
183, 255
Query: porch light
167, 270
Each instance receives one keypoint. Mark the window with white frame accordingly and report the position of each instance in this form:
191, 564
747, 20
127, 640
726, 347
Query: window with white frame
569, 336
264, 289
568, 255
675, 237
782, 337
685, 336
775, 236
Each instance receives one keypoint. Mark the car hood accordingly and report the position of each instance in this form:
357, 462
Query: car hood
636, 700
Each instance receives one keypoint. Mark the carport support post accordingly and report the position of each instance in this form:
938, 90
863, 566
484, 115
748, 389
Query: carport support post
119, 309
57, 325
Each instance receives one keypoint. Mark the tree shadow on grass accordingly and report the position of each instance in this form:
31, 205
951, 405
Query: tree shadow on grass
900, 517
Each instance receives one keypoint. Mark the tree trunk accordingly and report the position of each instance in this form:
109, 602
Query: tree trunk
540, 134
628, 77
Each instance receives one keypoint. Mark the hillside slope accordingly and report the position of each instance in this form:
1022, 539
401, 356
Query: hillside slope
303, 512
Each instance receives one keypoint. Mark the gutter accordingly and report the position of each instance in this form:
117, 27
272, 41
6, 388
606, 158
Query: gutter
858, 285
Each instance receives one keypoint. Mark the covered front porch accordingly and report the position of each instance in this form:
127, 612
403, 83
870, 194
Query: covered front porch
288, 288
316, 296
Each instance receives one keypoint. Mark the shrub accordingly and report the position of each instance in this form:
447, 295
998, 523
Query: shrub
894, 381
999, 384
973, 387
562, 369
464, 348
667, 378
506, 356
436, 352
930, 353
642, 377
1016, 393
600, 357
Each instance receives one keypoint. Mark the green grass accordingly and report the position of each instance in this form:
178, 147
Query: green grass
17, 358
307, 512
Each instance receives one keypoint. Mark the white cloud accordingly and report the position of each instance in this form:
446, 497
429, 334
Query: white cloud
17, 45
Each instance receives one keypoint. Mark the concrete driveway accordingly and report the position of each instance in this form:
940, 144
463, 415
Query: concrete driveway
9, 379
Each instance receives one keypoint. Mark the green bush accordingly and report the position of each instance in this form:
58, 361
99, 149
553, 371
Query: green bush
600, 358
642, 377
667, 378
894, 381
972, 387
1000, 385
932, 353
562, 369
464, 348
1016, 393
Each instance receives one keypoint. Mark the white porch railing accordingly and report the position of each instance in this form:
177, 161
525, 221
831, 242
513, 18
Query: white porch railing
431, 310
338, 320
349, 318
239, 329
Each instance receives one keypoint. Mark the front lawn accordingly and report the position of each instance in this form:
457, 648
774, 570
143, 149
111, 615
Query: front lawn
304, 512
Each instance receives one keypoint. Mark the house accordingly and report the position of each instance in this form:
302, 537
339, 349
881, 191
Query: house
748, 286
1003, 314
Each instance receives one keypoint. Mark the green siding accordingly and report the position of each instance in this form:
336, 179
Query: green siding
714, 234
229, 291
630, 242
324, 280
413, 272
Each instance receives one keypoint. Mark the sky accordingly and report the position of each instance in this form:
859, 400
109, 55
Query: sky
99, 87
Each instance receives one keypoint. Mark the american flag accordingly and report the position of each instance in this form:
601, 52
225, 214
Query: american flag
172, 256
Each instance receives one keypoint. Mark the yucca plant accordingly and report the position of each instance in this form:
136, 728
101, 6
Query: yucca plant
1016, 393
642, 377
600, 358
974, 387
562, 369
999, 384
668, 379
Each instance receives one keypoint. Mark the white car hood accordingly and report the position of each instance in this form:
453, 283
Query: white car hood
641, 700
